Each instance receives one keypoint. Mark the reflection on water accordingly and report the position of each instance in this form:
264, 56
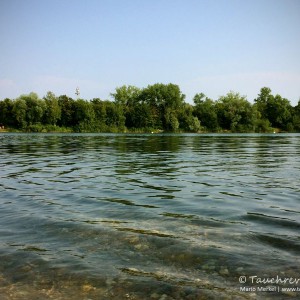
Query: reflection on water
105, 216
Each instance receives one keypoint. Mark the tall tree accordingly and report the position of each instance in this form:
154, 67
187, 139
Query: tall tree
6, 112
275, 109
165, 101
235, 113
83, 111
35, 108
19, 112
187, 120
205, 111
262, 101
126, 95
53, 110
100, 111
67, 106
279, 112
129, 98
115, 115
139, 115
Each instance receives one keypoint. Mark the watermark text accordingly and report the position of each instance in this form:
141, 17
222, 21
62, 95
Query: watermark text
278, 284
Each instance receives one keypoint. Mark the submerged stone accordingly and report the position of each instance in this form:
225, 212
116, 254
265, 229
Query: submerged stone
224, 271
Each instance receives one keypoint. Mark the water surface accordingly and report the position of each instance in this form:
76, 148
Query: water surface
108, 216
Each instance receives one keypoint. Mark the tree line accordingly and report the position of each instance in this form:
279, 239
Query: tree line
158, 107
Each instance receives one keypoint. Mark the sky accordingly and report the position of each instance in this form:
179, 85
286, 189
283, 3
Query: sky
212, 46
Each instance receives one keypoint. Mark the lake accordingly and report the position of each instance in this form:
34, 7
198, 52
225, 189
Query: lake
149, 216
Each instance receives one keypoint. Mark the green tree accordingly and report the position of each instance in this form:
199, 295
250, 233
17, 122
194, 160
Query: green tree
199, 98
262, 100
6, 113
165, 101
115, 118
187, 121
205, 111
67, 106
35, 108
164, 95
135, 111
235, 113
99, 107
84, 115
126, 95
279, 112
296, 117
19, 112
170, 119
139, 116
275, 109
53, 110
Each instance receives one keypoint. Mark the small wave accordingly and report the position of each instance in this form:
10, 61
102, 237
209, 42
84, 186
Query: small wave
280, 242
178, 216
272, 220
164, 276
147, 232
128, 202
113, 222
210, 289
34, 249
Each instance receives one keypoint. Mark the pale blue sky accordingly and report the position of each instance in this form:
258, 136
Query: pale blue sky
203, 46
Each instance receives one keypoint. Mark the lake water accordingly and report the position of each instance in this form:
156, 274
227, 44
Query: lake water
115, 216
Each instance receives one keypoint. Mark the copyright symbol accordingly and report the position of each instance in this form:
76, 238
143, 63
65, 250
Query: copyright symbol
242, 279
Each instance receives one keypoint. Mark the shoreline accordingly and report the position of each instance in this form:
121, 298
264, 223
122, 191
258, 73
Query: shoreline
154, 131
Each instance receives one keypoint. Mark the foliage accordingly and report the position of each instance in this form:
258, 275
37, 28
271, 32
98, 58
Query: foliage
156, 108
296, 117
19, 113
205, 110
53, 110
187, 121
126, 95
35, 108
67, 107
165, 101
6, 112
235, 113
276, 109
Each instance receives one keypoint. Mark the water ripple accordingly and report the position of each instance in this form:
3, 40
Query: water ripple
173, 212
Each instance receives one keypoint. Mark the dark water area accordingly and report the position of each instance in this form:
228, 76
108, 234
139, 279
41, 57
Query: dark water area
115, 216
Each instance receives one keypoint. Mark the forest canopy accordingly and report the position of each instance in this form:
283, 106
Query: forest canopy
155, 108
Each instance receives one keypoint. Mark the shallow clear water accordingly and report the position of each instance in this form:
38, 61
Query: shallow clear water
107, 216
